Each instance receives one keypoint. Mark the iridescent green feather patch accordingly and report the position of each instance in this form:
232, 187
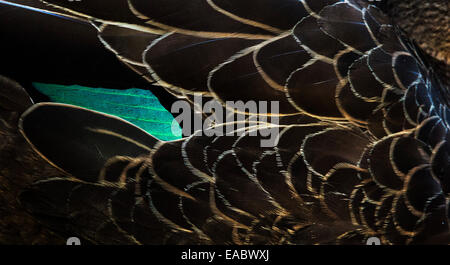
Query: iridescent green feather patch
137, 106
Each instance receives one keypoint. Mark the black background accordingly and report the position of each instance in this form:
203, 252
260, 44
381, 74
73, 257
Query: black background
171, 255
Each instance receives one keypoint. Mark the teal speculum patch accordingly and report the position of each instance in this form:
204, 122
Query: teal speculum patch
134, 105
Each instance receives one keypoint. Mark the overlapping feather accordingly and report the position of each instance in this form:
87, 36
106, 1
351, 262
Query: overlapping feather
363, 146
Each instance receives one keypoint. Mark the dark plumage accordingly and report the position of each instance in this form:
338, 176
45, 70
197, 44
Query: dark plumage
362, 149
428, 24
